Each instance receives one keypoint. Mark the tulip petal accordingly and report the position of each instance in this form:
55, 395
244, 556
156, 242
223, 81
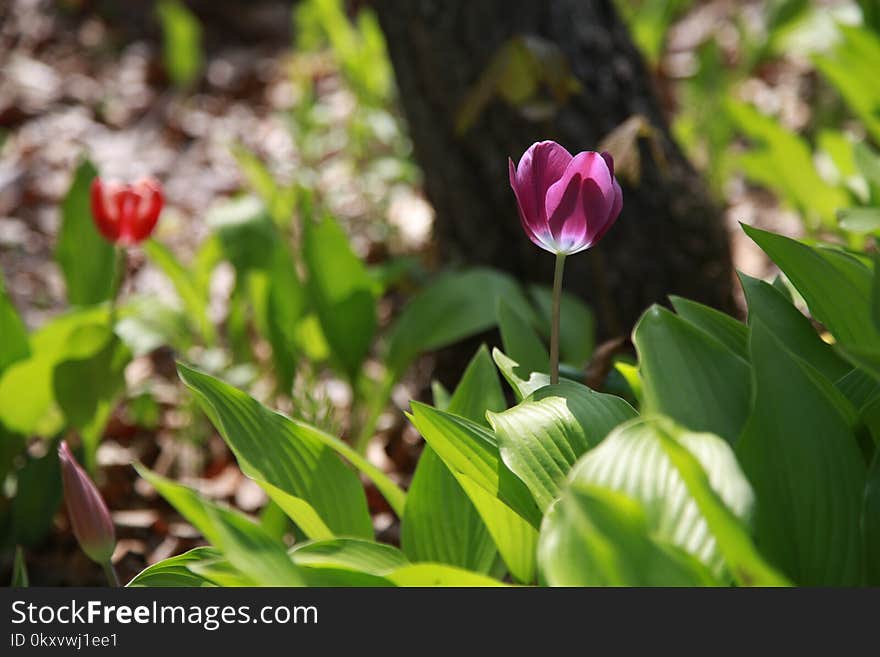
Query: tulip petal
541, 165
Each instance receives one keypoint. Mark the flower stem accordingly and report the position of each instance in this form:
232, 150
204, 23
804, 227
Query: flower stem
119, 271
110, 572
554, 320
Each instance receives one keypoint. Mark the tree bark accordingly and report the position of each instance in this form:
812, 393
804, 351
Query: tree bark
670, 237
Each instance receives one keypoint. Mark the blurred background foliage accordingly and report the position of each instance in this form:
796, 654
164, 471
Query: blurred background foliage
296, 229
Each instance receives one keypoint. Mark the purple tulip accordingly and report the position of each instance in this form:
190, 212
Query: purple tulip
566, 204
88, 513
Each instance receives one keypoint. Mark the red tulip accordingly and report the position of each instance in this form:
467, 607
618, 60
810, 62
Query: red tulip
126, 213
88, 513
566, 203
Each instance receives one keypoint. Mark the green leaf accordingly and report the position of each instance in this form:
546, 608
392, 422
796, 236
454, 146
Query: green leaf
175, 571
281, 201
598, 537
732, 334
631, 461
244, 543
349, 553
93, 373
245, 231
288, 455
437, 574
521, 341
27, 403
37, 497
509, 368
577, 325
87, 260
455, 306
342, 293
690, 376
767, 304
14, 334
851, 66
836, 288
860, 220
871, 523
440, 522
505, 505
800, 454
541, 437
472, 450
734, 543
783, 161
182, 42
19, 569
195, 300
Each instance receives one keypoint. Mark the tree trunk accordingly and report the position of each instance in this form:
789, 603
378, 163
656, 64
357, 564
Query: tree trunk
670, 237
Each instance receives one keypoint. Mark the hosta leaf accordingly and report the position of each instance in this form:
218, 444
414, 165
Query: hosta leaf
801, 456
782, 318
631, 460
541, 437
690, 376
342, 293
598, 537
175, 571
732, 334
734, 543
272, 448
510, 370
836, 288
871, 523
349, 553
472, 450
440, 522
436, 574
504, 504
244, 543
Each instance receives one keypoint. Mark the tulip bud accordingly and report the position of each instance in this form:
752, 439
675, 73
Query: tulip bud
126, 213
566, 203
88, 513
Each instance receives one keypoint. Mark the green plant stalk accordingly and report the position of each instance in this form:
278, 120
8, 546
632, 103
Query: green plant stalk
120, 257
110, 573
375, 406
554, 320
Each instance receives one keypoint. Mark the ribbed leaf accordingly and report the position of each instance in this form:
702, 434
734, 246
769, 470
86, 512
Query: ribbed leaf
770, 306
440, 523
244, 543
349, 553
631, 460
690, 376
800, 454
743, 559
732, 334
510, 370
504, 504
836, 287
437, 574
288, 455
599, 537
541, 437
871, 523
